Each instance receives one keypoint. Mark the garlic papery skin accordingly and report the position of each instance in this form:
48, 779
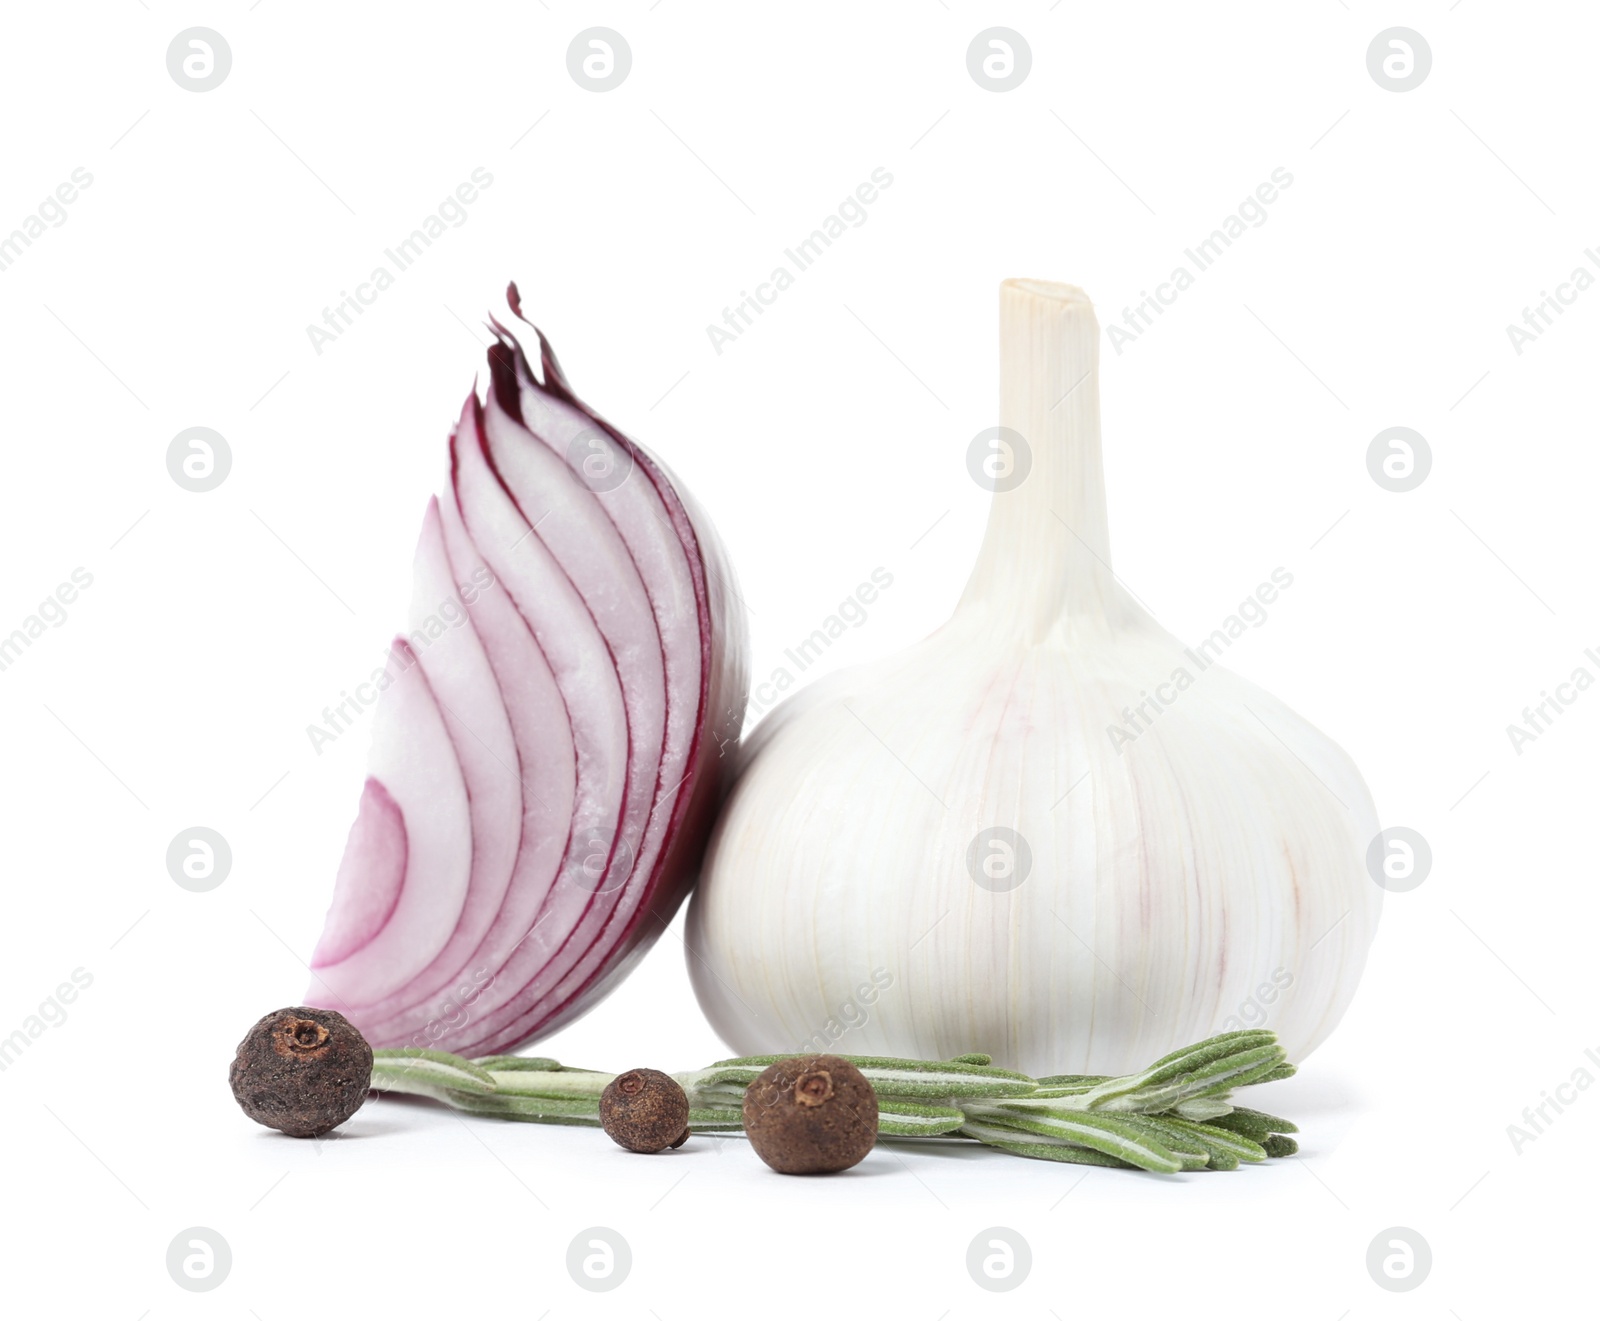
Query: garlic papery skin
1205, 871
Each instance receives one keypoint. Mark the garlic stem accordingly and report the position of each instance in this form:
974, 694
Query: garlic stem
1046, 552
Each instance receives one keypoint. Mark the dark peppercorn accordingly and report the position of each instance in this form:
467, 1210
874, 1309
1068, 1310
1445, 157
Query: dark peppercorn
301, 1071
815, 1114
645, 1110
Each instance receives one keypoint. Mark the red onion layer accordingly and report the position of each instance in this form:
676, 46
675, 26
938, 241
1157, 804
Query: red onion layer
553, 736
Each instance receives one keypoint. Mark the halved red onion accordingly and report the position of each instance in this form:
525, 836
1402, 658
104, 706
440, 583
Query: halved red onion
548, 749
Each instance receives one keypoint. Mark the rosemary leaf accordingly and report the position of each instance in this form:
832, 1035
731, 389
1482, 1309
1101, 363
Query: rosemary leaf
554, 1083
1219, 1075
1203, 1109
1255, 1124
428, 1067
533, 1109
523, 1064
715, 1119
1225, 1149
898, 1117
1114, 1135
1203, 1052
902, 1077
1041, 1148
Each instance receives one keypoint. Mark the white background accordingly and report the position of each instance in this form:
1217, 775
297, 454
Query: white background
825, 442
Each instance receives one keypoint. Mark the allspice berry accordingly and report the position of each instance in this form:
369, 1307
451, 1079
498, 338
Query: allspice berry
815, 1114
645, 1110
301, 1071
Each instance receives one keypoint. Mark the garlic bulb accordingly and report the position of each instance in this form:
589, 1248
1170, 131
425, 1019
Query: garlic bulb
1050, 832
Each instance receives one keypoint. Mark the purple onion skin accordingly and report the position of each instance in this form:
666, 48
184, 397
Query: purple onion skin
724, 690
605, 940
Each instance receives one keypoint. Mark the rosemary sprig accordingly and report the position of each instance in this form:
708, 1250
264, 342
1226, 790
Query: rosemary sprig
1173, 1116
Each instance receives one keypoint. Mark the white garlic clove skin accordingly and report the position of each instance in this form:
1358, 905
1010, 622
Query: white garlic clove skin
1168, 883
1202, 873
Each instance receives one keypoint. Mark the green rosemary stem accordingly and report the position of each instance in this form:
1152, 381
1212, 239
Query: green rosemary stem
1173, 1116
